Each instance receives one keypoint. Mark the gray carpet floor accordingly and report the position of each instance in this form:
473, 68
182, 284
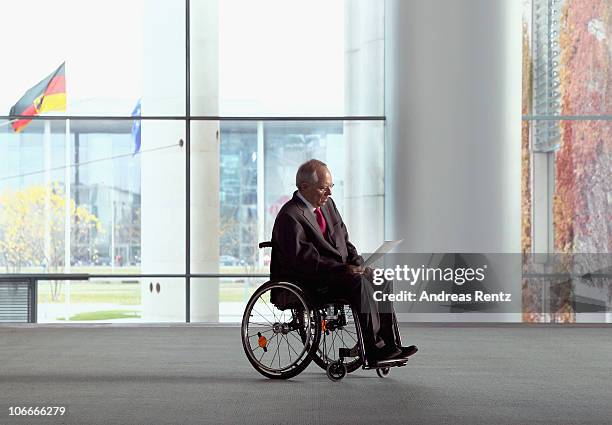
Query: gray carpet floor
195, 374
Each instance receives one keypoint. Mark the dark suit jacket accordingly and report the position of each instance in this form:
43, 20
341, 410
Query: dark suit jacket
300, 251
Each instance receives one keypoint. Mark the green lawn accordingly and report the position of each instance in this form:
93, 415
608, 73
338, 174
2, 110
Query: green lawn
105, 315
123, 294
87, 270
127, 293
84, 292
234, 294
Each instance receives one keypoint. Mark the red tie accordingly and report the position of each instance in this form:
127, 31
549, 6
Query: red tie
321, 220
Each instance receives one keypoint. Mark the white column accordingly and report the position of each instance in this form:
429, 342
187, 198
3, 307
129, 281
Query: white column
261, 178
453, 152
205, 220
205, 151
364, 45
163, 172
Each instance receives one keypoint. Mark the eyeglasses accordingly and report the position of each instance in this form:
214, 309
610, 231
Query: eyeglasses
326, 188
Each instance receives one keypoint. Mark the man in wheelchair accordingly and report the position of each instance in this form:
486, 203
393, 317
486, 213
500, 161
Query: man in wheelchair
311, 247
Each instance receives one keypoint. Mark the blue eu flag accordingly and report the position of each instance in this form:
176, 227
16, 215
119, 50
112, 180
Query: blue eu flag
136, 128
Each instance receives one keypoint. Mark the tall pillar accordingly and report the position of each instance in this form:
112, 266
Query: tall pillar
453, 107
205, 151
364, 44
163, 172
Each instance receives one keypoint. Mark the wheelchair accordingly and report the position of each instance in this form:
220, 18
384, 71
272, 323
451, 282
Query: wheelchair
283, 331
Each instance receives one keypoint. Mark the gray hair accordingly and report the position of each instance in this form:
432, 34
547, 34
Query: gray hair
307, 173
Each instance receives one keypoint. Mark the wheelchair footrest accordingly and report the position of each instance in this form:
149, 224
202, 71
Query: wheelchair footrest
387, 363
348, 352
392, 363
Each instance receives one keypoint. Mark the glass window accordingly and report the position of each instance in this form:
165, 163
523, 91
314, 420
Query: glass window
123, 196
115, 53
118, 300
566, 69
570, 53
221, 299
257, 162
582, 204
287, 58
104, 194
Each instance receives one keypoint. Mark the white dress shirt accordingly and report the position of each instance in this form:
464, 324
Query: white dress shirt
308, 204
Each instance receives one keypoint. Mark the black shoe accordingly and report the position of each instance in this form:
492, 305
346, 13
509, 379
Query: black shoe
408, 351
390, 353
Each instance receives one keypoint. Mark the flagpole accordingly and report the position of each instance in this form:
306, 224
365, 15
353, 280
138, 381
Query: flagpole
47, 207
67, 205
47, 223
112, 249
67, 211
67, 186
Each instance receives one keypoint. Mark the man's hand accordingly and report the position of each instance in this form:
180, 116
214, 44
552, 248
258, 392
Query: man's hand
355, 269
369, 273
365, 271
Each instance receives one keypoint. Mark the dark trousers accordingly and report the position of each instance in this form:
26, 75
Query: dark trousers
377, 319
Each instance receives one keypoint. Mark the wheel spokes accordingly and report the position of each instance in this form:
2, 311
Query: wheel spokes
269, 332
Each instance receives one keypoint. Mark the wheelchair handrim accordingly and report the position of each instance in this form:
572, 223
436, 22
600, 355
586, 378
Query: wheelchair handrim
308, 318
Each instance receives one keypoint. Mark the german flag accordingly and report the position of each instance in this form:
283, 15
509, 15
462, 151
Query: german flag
48, 95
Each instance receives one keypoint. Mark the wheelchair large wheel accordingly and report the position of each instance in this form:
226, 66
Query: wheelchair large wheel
280, 342
338, 330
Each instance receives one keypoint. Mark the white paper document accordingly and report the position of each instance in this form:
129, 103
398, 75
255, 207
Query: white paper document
386, 247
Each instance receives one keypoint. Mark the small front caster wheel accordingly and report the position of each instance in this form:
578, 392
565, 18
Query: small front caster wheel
336, 370
382, 371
